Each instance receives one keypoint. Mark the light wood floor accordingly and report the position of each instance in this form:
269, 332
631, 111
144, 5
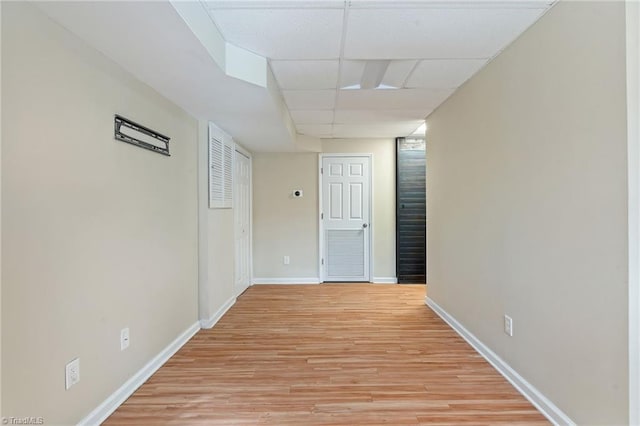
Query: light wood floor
339, 354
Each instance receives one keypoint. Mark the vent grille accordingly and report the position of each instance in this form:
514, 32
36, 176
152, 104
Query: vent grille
221, 149
346, 253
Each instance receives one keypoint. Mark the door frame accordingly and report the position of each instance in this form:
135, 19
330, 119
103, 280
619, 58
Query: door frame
632, 13
242, 151
321, 242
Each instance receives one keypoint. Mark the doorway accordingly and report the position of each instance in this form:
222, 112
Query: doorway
242, 221
345, 218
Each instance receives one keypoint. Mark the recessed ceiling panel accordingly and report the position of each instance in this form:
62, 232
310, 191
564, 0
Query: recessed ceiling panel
444, 73
306, 74
351, 73
397, 73
310, 116
309, 99
357, 116
391, 99
434, 33
283, 33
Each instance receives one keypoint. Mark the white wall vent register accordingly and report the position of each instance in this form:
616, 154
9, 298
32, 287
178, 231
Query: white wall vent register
221, 149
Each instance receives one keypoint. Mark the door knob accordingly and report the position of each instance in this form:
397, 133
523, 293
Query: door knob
364, 225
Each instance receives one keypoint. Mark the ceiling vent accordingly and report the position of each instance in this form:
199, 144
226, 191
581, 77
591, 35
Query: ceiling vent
372, 76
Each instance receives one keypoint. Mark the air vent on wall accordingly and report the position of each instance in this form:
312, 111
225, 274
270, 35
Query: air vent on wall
221, 149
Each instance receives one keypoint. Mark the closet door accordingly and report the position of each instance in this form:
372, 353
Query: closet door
411, 212
242, 216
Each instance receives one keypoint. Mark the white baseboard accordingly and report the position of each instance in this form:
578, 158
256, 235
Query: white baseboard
315, 280
384, 280
208, 323
109, 405
307, 280
541, 402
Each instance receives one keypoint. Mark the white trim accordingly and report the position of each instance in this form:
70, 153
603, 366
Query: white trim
371, 218
251, 224
320, 227
308, 280
248, 154
541, 402
632, 16
240, 149
320, 221
208, 323
109, 405
384, 280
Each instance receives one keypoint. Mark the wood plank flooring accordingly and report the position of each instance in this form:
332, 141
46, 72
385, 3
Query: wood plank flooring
331, 354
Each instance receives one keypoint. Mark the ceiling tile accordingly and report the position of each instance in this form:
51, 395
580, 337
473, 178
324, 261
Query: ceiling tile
306, 74
444, 73
434, 33
283, 33
357, 116
309, 99
392, 99
317, 130
323, 116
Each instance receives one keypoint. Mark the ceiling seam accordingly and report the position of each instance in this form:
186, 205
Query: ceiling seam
343, 38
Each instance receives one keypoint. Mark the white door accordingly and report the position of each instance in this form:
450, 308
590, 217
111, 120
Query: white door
242, 215
345, 215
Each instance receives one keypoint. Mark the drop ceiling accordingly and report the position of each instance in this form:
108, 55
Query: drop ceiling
319, 52
301, 70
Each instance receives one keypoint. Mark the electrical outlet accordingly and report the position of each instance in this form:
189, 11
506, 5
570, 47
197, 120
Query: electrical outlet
287, 260
124, 338
508, 325
72, 373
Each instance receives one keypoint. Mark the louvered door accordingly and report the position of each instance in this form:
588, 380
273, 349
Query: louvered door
221, 149
242, 215
345, 218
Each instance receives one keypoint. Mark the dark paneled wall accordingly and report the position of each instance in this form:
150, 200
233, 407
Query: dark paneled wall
411, 217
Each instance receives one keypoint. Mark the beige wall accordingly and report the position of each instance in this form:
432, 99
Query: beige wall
384, 197
284, 225
97, 234
216, 251
526, 184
